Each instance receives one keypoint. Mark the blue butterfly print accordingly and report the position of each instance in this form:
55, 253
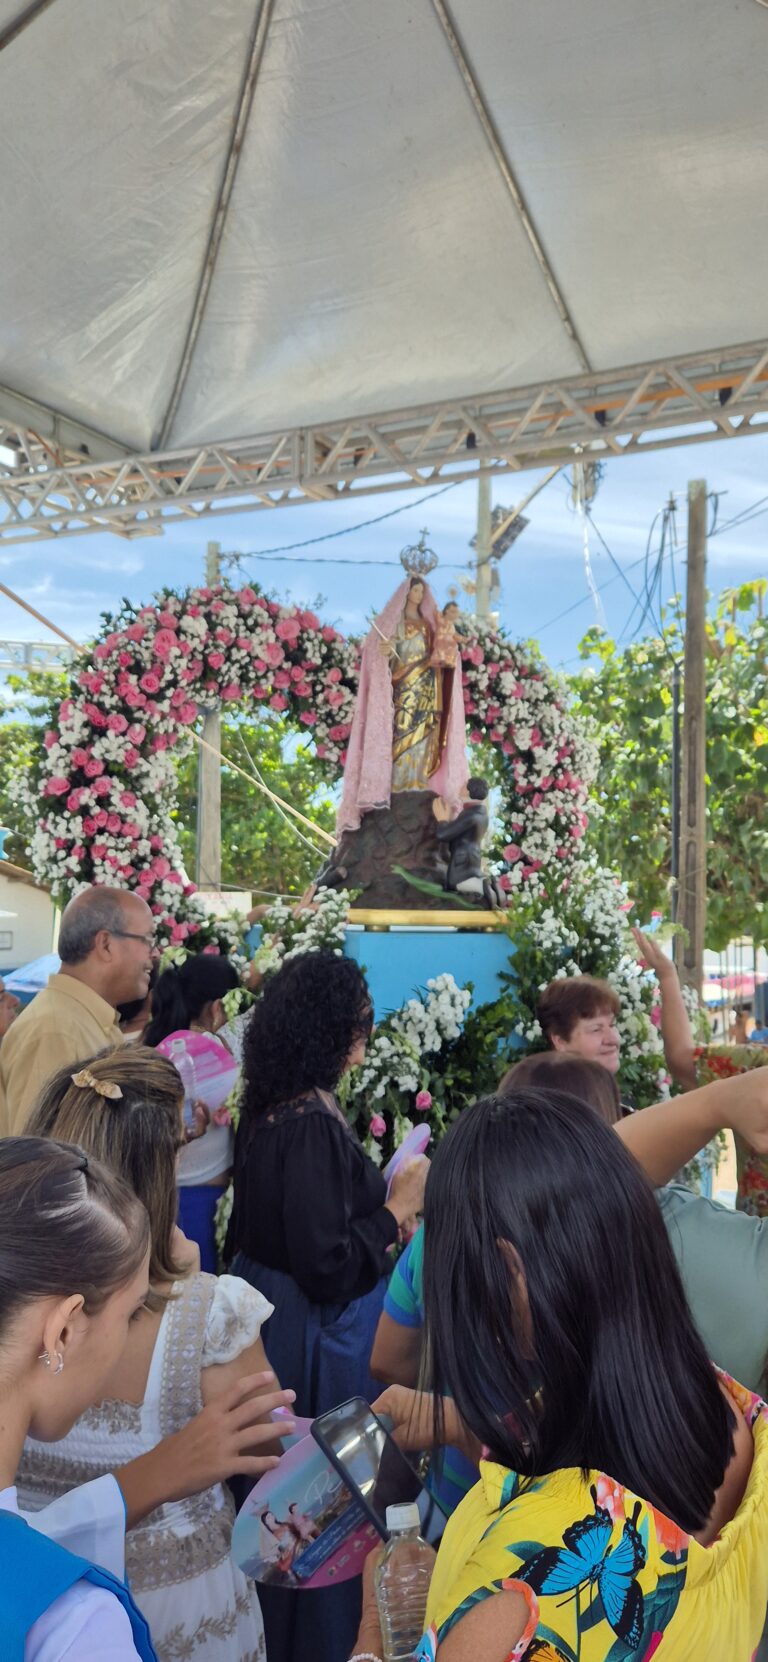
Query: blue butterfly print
587, 1561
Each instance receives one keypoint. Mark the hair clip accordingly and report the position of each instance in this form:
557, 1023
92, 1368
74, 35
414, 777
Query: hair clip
103, 1087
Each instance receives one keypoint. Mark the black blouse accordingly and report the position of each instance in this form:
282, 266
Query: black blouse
309, 1201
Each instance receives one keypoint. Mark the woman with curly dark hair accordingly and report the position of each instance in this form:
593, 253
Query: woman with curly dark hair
311, 1221
311, 1228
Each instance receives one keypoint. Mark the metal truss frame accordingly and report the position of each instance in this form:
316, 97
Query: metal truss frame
59, 478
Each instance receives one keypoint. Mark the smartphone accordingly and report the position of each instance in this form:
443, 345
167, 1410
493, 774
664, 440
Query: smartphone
373, 1467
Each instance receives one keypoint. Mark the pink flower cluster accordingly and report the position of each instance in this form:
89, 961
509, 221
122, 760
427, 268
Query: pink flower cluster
105, 783
512, 700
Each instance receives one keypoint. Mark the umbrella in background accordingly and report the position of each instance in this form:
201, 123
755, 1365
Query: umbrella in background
27, 981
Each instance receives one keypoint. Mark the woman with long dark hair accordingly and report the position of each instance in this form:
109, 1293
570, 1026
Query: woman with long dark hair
312, 1224
623, 1503
189, 998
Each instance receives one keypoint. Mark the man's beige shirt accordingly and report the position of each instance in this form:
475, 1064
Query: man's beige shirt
65, 1023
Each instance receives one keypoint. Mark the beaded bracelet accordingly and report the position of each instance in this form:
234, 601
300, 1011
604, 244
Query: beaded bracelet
365, 1656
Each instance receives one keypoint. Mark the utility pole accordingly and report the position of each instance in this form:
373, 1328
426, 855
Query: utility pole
483, 547
692, 910
208, 864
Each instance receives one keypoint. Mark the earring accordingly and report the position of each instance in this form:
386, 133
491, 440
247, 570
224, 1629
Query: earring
44, 1357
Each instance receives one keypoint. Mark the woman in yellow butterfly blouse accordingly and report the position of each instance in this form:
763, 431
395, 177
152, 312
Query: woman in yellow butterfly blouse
622, 1509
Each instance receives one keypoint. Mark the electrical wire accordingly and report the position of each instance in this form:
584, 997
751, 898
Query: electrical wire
583, 601
346, 531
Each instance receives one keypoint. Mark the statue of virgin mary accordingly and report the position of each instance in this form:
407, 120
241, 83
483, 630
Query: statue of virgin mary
408, 727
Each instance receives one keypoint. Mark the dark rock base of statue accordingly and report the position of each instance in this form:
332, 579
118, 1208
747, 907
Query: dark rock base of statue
405, 834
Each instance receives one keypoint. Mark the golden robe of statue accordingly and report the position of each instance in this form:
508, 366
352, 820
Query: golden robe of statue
417, 689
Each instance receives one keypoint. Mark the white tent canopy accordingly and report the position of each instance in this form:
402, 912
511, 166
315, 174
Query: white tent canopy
225, 221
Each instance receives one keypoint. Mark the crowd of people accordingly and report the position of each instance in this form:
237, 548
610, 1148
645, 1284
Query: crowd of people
578, 1339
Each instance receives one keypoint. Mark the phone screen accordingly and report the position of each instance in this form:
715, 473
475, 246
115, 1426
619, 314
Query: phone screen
369, 1460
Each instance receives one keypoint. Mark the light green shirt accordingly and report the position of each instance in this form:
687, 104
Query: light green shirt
723, 1259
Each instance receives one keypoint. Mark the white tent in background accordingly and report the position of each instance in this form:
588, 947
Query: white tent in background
283, 250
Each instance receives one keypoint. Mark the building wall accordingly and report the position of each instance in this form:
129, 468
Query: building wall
31, 932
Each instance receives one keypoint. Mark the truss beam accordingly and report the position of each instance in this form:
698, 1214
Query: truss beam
49, 491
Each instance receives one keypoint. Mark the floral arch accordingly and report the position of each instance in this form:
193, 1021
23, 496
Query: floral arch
104, 785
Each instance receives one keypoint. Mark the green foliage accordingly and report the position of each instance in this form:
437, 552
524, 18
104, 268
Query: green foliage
628, 698
24, 708
260, 846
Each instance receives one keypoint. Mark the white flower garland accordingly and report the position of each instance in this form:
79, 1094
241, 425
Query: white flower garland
104, 785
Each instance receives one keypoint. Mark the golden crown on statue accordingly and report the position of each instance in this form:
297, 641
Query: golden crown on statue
418, 559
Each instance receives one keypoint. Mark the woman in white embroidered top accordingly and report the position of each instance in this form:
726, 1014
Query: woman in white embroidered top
198, 1336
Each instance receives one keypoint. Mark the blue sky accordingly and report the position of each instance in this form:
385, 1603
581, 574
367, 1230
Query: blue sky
72, 580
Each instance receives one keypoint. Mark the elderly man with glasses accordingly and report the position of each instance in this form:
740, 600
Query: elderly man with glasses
107, 950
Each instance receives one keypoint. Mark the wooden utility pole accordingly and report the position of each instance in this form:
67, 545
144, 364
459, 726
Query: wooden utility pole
692, 909
483, 548
208, 865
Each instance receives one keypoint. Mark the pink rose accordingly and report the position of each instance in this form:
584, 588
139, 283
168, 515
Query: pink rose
73, 801
282, 679
156, 842
378, 1125
117, 723
247, 597
101, 819
274, 654
131, 757
288, 629
164, 643
334, 698
135, 631
51, 738
328, 633
89, 826
57, 786
333, 675
93, 767
102, 786
215, 660
231, 691
260, 666
114, 824
297, 674
321, 750
188, 714
302, 689
160, 866
79, 757
512, 852
225, 636
168, 620
279, 702
150, 682
134, 699
308, 620
423, 1101
308, 717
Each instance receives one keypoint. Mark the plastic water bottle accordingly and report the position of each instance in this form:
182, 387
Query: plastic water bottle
185, 1068
402, 1584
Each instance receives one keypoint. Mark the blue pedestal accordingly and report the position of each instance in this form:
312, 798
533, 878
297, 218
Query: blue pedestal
398, 963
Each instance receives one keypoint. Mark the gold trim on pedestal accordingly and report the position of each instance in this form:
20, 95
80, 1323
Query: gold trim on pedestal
380, 917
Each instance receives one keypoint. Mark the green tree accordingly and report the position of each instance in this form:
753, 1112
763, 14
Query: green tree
628, 698
261, 846
24, 712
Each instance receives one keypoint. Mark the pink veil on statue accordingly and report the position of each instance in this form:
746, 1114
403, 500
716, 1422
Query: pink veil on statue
368, 768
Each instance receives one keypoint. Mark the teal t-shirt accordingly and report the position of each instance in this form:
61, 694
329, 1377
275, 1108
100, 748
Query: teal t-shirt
723, 1259
404, 1303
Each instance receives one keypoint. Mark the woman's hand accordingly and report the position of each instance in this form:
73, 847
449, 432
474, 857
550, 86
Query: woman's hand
412, 1416
218, 1443
654, 955
201, 1120
406, 1196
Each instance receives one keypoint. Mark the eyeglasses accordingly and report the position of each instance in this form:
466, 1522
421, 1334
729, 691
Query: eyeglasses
150, 941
